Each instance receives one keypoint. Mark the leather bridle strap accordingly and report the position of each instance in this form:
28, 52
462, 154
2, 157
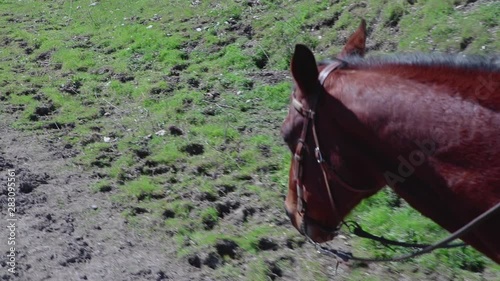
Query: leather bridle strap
329, 69
322, 78
309, 115
298, 157
298, 168
321, 162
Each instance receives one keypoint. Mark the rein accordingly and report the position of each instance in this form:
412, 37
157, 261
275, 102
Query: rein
427, 249
309, 114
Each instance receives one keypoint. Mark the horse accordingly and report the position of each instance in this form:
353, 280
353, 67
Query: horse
427, 126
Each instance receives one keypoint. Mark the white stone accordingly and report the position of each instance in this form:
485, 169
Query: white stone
160, 133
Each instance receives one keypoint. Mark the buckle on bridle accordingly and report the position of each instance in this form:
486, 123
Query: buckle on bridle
297, 157
310, 114
319, 156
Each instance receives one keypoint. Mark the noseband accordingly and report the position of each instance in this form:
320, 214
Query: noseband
309, 114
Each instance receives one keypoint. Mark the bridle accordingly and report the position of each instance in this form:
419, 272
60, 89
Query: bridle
309, 115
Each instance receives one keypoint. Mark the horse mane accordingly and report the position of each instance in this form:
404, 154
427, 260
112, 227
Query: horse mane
471, 73
460, 61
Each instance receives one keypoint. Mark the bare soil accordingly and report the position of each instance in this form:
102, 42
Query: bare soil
65, 231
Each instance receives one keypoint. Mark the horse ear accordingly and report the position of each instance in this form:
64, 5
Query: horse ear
304, 69
356, 43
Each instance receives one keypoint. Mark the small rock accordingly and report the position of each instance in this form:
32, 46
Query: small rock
107, 139
161, 133
94, 207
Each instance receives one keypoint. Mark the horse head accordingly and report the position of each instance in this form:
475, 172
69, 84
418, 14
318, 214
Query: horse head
329, 174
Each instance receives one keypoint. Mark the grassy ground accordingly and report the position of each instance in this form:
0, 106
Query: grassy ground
176, 107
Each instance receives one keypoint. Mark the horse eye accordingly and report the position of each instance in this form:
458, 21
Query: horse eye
286, 137
286, 133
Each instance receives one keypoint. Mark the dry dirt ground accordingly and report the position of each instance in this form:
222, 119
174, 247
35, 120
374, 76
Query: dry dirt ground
60, 233
64, 231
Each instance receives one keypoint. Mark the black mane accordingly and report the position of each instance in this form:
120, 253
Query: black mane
474, 62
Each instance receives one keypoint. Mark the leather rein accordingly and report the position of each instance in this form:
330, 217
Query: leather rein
310, 114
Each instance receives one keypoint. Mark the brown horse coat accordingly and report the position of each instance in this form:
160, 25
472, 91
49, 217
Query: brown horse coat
428, 126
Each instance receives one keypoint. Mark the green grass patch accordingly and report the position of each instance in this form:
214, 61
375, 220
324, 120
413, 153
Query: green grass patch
142, 188
168, 152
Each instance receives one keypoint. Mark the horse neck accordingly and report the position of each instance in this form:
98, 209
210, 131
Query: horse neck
478, 85
390, 110
383, 92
